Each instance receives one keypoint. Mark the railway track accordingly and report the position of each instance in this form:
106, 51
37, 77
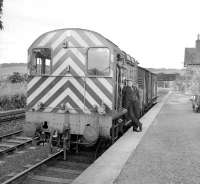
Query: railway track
13, 141
12, 115
54, 169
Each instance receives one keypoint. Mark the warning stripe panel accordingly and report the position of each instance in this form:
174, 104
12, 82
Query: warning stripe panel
41, 91
68, 85
72, 105
34, 84
79, 39
62, 96
99, 91
83, 92
105, 89
59, 86
90, 95
59, 52
47, 82
72, 62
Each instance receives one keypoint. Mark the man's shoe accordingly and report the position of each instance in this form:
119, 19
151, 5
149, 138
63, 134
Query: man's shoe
135, 130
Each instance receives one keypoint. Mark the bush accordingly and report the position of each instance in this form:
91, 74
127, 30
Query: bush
16, 77
17, 101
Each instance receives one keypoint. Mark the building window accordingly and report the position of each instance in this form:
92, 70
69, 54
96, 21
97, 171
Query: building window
41, 61
98, 61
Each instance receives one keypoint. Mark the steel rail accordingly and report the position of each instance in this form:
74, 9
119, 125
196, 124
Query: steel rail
10, 134
11, 115
13, 148
16, 111
25, 172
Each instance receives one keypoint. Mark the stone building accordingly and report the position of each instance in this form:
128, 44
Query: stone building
192, 55
192, 65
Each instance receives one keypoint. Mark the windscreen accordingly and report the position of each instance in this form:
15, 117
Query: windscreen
98, 61
41, 61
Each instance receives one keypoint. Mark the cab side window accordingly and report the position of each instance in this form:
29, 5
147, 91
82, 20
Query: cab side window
41, 61
98, 61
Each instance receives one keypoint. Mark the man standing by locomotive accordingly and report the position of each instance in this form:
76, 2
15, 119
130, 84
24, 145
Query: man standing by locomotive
130, 101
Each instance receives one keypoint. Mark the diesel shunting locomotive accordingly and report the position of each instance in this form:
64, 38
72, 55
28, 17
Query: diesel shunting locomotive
76, 78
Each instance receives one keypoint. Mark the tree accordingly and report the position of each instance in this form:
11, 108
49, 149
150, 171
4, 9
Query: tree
1, 5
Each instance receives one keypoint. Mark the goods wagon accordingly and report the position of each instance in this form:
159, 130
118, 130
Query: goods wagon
147, 84
75, 84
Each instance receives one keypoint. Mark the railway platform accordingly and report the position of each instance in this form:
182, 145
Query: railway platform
166, 152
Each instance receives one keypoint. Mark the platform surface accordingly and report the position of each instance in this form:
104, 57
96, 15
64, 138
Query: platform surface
170, 152
107, 168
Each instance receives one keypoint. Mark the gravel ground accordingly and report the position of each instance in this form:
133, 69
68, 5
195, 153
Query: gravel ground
9, 127
170, 151
15, 163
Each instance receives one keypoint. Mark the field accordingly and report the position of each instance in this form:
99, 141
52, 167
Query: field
6, 71
10, 89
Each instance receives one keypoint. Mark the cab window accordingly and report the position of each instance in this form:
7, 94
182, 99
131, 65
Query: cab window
41, 61
98, 61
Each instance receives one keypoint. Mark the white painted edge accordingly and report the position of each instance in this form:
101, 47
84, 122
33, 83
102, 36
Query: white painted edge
108, 167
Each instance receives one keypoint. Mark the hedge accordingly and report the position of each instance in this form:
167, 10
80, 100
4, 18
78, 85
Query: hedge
17, 101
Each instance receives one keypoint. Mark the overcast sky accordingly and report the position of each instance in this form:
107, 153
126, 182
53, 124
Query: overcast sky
155, 32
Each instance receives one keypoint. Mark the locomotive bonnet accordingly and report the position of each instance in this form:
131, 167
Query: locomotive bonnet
75, 82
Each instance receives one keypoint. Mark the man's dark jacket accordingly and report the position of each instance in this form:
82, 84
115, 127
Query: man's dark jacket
130, 101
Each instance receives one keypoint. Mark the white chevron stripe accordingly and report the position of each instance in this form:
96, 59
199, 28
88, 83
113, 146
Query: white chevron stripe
46, 39
79, 55
106, 84
57, 101
76, 99
71, 108
74, 50
33, 82
75, 84
58, 56
60, 39
104, 98
94, 38
78, 38
76, 68
53, 90
82, 90
47, 82
62, 96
